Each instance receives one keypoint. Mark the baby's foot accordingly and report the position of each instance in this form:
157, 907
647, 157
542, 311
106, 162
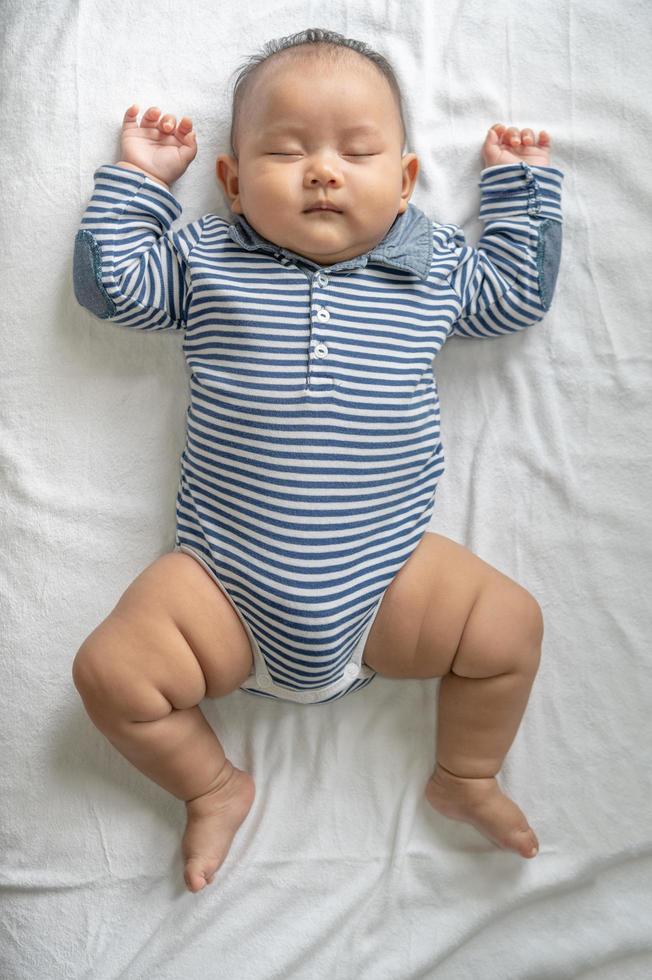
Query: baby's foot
481, 803
213, 821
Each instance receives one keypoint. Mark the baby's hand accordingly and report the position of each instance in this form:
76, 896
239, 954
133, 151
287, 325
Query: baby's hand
156, 146
506, 145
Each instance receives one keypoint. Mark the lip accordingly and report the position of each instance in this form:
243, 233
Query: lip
323, 206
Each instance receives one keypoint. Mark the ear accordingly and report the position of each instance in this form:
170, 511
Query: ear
226, 168
410, 165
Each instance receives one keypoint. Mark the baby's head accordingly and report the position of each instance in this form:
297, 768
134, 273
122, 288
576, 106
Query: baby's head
316, 119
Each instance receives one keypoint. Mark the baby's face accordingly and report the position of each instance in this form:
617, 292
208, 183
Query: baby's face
310, 134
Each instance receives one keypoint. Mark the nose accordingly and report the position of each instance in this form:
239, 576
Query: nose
323, 168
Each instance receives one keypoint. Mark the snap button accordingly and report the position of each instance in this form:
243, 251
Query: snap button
263, 681
323, 314
351, 671
321, 350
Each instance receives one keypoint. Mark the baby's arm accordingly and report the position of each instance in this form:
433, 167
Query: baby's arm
128, 265
507, 282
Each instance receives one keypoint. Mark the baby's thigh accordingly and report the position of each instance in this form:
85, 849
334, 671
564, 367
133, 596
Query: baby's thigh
172, 638
422, 617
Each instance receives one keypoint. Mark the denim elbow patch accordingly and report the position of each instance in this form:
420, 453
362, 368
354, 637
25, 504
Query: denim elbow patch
548, 259
87, 277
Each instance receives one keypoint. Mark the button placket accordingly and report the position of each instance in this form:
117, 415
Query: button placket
319, 350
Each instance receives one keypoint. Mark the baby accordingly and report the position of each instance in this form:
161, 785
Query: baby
303, 564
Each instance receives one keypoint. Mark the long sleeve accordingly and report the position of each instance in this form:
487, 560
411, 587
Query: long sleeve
507, 282
128, 265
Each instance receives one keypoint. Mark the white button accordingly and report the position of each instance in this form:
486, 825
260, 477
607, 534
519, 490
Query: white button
321, 350
351, 671
263, 681
322, 279
323, 314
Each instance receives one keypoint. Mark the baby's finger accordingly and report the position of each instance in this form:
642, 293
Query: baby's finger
185, 125
499, 129
512, 137
544, 138
129, 118
167, 123
527, 137
184, 131
150, 116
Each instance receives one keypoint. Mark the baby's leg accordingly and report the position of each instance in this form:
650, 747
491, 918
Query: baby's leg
449, 614
172, 639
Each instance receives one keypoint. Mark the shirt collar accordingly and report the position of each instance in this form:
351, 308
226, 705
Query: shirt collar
407, 245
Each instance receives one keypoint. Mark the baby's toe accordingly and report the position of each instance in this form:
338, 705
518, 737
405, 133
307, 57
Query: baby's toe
195, 874
525, 841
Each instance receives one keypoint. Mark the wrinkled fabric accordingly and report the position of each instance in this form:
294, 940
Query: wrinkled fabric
341, 869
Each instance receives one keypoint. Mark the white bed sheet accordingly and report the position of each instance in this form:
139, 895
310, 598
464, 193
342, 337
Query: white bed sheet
341, 869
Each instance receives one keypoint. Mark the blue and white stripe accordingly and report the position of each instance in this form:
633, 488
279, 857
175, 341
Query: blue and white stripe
313, 446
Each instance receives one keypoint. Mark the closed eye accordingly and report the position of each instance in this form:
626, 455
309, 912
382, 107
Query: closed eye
273, 154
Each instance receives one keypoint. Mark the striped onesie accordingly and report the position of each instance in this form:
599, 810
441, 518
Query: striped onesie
313, 448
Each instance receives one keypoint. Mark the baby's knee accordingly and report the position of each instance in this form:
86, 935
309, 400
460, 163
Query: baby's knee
90, 676
503, 633
85, 666
522, 620
106, 674
93, 675
530, 618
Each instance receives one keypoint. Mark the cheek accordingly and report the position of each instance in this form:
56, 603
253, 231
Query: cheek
277, 181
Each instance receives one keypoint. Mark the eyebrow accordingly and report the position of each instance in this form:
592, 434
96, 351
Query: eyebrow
297, 127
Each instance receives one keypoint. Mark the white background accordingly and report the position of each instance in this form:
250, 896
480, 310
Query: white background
341, 869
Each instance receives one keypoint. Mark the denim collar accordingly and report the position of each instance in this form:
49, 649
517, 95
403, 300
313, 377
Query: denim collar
407, 245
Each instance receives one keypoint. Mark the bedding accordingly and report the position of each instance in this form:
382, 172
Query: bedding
341, 870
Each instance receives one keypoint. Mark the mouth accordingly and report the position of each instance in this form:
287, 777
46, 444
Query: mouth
322, 207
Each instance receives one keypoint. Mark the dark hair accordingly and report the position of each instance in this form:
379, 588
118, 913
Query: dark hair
326, 43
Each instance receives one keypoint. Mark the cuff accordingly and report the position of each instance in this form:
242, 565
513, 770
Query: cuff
513, 189
125, 185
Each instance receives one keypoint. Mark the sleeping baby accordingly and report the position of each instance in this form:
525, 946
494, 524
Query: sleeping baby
302, 563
